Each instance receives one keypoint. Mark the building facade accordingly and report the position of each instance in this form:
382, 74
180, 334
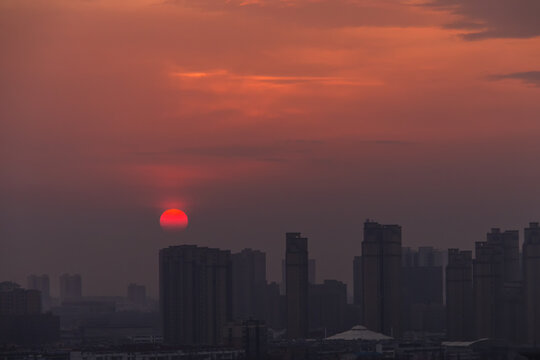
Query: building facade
195, 285
21, 319
531, 277
42, 284
381, 278
248, 284
459, 295
296, 267
422, 285
497, 286
327, 307
357, 286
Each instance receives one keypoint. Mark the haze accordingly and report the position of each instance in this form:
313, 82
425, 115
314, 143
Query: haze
258, 118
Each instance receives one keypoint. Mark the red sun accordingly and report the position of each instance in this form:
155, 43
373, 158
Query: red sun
173, 220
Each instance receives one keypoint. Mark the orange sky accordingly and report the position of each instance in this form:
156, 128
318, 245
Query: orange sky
260, 117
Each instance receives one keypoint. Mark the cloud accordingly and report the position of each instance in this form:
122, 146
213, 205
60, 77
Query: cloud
259, 80
497, 18
528, 77
318, 14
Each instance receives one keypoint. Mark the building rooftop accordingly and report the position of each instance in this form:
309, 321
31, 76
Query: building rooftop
360, 332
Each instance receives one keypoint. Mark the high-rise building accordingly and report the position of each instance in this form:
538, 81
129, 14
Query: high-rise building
296, 262
459, 295
312, 271
381, 278
355, 315
357, 281
248, 284
509, 318
327, 307
275, 307
136, 294
508, 242
312, 274
531, 277
496, 278
21, 319
487, 284
70, 287
195, 285
17, 301
42, 284
422, 285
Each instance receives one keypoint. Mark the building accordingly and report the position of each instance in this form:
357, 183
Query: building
70, 287
459, 295
357, 288
275, 305
153, 352
136, 294
422, 285
248, 335
327, 308
42, 284
508, 242
381, 278
312, 274
17, 301
21, 319
496, 277
296, 263
531, 277
312, 271
195, 285
248, 284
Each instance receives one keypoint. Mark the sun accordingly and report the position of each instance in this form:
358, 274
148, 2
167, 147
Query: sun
173, 220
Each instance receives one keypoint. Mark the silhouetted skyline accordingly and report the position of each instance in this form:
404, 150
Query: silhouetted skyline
257, 118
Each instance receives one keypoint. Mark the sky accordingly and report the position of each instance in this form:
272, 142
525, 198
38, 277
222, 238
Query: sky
258, 117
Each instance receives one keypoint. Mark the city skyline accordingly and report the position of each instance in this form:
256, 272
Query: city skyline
211, 296
55, 285
269, 179
257, 118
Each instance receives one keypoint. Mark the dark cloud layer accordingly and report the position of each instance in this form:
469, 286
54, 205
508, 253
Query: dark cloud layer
498, 18
528, 77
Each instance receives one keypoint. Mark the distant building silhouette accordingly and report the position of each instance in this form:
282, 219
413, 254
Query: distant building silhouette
312, 274
358, 299
422, 285
248, 284
296, 262
531, 272
496, 285
459, 295
248, 335
42, 284
381, 278
21, 318
508, 241
487, 279
195, 285
327, 307
15, 300
136, 294
70, 287
312, 271
276, 307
